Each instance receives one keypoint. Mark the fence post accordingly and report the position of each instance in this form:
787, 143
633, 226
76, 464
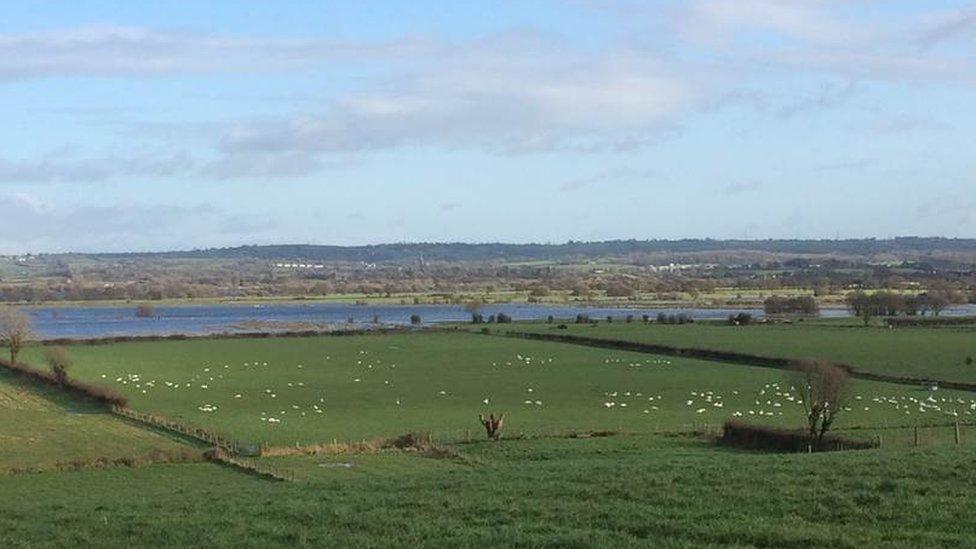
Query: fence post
916, 435
957, 431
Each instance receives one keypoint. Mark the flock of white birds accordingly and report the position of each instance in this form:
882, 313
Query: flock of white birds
771, 399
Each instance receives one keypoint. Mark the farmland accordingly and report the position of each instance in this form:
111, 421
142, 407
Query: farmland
937, 353
615, 491
348, 388
43, 429
601, 448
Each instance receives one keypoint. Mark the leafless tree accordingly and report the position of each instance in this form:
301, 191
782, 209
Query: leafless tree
493, 425
16, 329
59, 361
822, 389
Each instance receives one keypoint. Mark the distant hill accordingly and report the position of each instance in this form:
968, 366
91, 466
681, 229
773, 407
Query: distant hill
535, 252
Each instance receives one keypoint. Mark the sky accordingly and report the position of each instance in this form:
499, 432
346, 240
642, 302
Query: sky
131, 126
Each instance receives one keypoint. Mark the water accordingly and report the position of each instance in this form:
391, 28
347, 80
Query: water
98, 321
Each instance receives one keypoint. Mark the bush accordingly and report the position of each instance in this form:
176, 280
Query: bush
60, 362
503, 318
803, 305
145, 311
969, 361
741, 319
761, 437
415, 319
477, 318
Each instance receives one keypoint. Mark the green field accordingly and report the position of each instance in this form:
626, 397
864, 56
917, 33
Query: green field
315, 390
608, 492
43, 429
661, 481
937, 353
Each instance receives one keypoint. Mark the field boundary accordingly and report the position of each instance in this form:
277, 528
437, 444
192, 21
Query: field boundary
101, 395
109, 340
174, 427
730, 357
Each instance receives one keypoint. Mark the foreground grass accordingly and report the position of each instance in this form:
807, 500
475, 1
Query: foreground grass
313, 390
43, 429
608, 492
938, 353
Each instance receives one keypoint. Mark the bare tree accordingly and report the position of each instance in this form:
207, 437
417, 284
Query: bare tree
493, 425
60, 362
861, 306
16, 329
822, 389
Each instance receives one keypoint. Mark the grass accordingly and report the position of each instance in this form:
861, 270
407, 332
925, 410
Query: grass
607, 492
42, 429
938, 353
650, 485
348, 388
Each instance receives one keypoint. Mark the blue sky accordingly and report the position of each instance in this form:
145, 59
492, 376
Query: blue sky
195, 124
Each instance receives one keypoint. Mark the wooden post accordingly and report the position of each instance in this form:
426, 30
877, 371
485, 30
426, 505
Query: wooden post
957, 431
916, 435
880, 442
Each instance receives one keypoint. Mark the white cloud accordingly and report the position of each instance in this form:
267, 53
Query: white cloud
62, 167
138, 51
34, 225
511, 94
808, 20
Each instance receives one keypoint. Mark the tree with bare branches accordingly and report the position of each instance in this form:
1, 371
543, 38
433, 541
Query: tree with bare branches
822, 389
16, 329
60, 362
493, 425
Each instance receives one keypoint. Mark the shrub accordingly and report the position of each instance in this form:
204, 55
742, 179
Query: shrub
145, 311
969, 361
415, 319
741, 319
503, 318
803, 305
477, 318
60, 362
762, 437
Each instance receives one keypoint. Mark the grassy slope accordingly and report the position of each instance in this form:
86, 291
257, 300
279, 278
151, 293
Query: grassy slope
40, 427
938, 353
573, 388
599, 492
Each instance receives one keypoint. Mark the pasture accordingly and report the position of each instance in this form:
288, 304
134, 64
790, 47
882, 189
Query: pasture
283, 391
601, 492
43, 429
936, 353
